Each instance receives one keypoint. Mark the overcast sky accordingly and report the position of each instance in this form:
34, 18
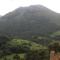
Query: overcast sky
9, 5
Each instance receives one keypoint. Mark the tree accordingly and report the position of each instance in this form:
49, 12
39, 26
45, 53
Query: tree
37, 55
4, 40
55, 46
16, 57
5, 58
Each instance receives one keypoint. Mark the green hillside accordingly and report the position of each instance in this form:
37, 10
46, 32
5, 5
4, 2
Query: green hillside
30, 44
25, 33
20, 47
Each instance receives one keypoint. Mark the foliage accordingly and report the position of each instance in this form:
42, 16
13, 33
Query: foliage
38, 55
55, 46
16, 57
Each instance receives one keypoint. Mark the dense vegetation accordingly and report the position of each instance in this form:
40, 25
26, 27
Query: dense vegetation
20, 49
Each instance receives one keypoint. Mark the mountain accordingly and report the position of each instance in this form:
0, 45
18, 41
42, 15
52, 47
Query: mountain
29, 21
